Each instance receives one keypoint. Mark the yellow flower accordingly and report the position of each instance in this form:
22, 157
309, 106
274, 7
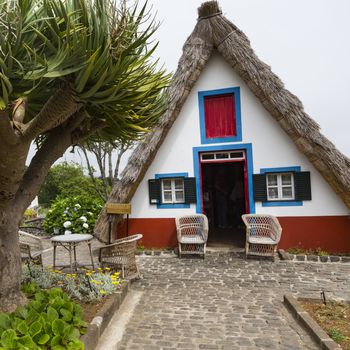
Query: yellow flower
74, 275
115, 282
102, 291
99, 268
116, 274
107, 269
96, 282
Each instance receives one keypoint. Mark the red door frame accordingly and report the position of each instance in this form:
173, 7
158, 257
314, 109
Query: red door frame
245, 175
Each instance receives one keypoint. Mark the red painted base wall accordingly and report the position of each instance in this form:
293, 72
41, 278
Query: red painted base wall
330, 233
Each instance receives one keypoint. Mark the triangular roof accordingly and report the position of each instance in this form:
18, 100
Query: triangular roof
214, 32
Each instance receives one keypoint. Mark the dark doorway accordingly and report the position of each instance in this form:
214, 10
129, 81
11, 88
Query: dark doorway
224, 201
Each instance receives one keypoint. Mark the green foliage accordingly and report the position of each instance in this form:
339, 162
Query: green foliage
49, 321
66, 180
89, 287
75, 214
297, 250
336, 335
98, 52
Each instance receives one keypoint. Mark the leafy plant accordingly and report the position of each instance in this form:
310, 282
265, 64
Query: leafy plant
336, 335
49, 321
73, 214
89, 287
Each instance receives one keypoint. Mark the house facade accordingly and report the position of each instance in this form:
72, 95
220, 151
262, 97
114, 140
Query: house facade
257, 150
235, 141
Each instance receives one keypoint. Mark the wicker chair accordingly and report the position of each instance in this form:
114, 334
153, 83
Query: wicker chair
120, 255
192, 234
31, 248
263, 232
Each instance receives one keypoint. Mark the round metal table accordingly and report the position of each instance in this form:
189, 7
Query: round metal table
70, 242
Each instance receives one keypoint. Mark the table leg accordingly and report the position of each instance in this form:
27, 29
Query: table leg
92, 260
70, 258
75, 258
54, 256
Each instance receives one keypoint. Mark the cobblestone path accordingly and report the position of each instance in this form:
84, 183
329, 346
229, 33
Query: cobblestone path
225, 302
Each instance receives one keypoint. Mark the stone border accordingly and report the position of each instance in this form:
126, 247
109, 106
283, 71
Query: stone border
100, 322
314, 258
303, 317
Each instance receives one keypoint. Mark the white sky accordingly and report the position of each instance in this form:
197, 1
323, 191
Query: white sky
307, 44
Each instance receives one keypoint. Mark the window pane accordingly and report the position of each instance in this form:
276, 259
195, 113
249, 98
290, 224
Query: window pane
208, 156
287, 192
221, 155
166, 184
179, 196
179, 183
286, 179
167, 196
273, 193
272, 180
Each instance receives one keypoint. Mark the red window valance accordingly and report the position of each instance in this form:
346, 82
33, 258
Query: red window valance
220, 119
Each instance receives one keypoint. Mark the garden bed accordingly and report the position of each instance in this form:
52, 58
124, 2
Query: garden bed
312, 256
328, 324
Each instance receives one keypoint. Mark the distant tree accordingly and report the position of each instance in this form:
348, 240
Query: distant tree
104, 152
67, 180
70, 71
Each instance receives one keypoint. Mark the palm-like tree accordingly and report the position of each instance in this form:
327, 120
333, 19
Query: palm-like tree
70, 70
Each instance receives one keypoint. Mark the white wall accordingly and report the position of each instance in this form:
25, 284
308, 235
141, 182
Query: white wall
271, 148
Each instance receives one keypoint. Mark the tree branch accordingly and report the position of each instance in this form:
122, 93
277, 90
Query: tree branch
91, 174
7, 133
54, 146
60, 106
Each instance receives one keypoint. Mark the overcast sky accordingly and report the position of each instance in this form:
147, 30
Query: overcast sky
307, 44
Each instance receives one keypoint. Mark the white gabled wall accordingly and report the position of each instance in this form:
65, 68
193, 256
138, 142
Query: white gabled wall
272, 148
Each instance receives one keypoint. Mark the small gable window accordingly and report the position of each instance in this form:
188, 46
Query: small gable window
282, 186
169, 191
220, 116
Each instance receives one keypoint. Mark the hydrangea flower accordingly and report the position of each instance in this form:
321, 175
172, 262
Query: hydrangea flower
83, 218
77, 206
67, 224
89, 213
85, 225
67, 232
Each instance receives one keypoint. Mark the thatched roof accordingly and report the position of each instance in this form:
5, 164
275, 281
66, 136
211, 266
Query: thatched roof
214, 32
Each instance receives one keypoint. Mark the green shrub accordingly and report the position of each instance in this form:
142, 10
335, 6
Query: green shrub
49, 321
89, 287
74, 214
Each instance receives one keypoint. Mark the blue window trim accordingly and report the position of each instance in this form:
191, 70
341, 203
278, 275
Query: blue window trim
292, 203
247, 147
175, 205
237, 98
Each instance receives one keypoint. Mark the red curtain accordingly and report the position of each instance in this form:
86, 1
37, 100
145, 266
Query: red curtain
220, 119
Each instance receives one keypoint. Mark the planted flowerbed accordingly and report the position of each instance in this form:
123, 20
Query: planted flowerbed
316, 255
333, 317
55, 318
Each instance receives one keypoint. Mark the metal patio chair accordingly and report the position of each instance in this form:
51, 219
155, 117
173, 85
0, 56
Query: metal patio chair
120, 255
192, 234
263, 232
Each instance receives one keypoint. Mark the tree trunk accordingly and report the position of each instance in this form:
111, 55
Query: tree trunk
10, 260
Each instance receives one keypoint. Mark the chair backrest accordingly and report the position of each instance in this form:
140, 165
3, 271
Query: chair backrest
263, 225
30, 240
122, 246
195, 224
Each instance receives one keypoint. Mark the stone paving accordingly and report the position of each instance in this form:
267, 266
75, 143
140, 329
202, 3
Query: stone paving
225, 302
222, 302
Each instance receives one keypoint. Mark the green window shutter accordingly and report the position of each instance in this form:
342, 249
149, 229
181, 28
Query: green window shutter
154, 191
190, 190
302, 185
259, 185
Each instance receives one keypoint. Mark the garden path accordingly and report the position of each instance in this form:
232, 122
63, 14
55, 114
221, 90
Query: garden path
222, 302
